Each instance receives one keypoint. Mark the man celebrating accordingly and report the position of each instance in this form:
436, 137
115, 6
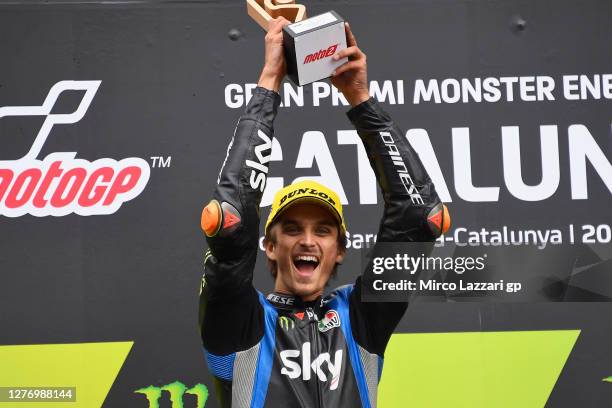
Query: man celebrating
296, 348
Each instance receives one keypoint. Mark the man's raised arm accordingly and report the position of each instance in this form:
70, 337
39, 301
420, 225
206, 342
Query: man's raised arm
413, 211
230, 220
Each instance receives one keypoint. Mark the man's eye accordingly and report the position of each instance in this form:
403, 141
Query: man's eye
323, 230
291, 230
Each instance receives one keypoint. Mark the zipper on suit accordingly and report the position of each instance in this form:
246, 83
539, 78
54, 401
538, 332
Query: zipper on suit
315, 340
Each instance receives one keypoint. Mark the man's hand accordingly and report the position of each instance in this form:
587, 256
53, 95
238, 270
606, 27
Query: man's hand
352, 78
275, 67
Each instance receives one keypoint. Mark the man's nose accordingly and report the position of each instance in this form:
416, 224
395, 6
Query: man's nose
307, 238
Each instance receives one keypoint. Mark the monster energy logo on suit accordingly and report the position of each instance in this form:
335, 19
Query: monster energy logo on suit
286, 323
177, 391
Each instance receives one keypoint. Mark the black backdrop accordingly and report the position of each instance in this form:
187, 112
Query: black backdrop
164, 69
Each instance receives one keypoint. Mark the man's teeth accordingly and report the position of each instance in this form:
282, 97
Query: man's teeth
308, 258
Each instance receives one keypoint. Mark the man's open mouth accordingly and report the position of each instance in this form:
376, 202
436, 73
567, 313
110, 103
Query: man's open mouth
306, 264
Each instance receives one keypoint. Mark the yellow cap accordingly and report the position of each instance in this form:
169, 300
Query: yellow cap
306, 191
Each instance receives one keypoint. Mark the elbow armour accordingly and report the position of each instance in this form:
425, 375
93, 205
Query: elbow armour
438, 220
220, 219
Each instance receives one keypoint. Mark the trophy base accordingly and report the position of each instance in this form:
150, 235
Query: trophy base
310, 45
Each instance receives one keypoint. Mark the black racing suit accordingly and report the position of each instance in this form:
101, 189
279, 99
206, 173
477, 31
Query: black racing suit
278, 351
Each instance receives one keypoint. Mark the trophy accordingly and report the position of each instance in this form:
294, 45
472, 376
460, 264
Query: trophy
309, 43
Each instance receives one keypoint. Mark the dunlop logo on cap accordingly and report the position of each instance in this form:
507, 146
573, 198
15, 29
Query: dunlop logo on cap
309, 191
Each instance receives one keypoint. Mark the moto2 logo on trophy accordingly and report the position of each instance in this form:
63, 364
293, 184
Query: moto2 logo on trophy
306, 367
61, 184
326, 53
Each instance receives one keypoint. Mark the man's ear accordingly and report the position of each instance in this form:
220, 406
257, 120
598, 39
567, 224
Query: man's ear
340, 255
269, 247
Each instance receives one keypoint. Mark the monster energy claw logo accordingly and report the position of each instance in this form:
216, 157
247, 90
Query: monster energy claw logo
286, 323
176, 390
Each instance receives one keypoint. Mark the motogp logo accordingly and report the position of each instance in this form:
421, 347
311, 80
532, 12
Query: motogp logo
61, 184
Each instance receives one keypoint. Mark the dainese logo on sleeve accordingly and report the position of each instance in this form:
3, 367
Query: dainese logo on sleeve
60, 184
